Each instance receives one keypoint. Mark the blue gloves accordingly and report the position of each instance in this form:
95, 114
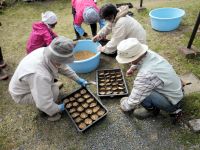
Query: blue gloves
61, 107
82, 82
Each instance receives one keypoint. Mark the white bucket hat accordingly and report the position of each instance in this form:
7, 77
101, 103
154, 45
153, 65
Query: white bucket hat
49, 17
129, 50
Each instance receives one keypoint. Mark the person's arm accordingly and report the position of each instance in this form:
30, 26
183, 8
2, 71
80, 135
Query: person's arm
107, 29
47, 37
103, 32
119, 34
41, 91
67, 71
142, 88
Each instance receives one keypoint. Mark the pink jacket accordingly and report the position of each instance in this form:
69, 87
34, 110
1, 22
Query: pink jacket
79, 6
41, 36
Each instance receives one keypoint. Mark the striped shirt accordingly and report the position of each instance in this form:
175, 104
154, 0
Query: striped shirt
144, 84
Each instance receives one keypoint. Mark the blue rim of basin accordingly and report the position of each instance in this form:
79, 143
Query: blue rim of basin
181, 14
85, 60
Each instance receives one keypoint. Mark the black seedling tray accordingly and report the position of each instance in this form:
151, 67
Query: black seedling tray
72, 99
122, 4
104, 41
111, 82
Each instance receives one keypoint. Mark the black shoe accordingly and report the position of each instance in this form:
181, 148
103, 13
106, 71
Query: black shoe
176, 117
76, 38
3, 75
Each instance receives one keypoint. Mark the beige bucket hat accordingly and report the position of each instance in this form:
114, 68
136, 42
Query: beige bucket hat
129, 50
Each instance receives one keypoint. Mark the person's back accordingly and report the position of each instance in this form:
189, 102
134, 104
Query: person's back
80, 6
42, 34
31, 64
159, 66
132, 28
37, 37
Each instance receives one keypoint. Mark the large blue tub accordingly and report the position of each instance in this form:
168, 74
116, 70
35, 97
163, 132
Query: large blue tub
90, 64
166, 19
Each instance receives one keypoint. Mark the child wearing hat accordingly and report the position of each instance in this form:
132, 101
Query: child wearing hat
85, 11
33, 80
42, 33
156, 86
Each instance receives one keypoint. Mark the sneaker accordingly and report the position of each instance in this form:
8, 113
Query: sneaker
3, 75
176, 116
55, 117
143, 113
49, 118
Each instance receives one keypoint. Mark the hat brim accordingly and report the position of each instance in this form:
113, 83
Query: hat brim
61, 60
125, 60
68, 60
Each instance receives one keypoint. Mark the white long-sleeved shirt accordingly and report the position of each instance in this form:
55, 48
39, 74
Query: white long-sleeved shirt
35, 74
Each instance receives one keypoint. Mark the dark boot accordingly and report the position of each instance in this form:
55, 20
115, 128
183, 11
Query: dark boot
2, 63
176, 116
3, 74
93, 29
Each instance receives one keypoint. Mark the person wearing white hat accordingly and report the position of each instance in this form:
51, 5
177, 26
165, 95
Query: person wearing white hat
85, 11
156, 86
42, 33
121, 25
33, 80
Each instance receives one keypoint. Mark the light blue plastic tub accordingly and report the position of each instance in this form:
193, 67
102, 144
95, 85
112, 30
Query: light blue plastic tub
166, 19
87, 65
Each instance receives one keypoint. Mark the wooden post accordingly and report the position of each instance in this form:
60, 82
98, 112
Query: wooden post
140, 8
196, 26
188, 51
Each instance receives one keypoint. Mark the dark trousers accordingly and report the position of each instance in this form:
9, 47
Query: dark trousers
1, 57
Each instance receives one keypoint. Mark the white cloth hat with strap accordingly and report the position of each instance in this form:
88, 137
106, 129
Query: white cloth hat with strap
129, 50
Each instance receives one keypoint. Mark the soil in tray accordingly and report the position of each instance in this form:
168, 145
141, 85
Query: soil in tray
82, 55
87, 111
110, 82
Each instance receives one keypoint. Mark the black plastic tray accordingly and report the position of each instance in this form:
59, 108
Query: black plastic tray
130, 5
99, 79
95, 99
104, 41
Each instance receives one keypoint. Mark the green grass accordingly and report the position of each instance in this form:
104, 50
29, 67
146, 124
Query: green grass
23, 120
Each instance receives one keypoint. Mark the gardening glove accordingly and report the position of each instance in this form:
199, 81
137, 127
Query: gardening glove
61, 107
82, 82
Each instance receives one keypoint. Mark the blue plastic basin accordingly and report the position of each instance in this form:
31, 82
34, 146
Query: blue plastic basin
90, 64
166, 19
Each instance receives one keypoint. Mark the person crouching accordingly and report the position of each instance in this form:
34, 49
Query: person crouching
33, 80
156, 86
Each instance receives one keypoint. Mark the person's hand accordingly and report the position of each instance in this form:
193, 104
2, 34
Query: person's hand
61, 107
131, 70
82, 82
96, 38
101, 48
124, 105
